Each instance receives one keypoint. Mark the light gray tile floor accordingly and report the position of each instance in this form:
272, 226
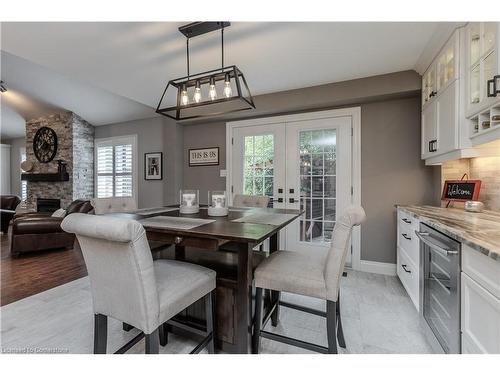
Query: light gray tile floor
377, 316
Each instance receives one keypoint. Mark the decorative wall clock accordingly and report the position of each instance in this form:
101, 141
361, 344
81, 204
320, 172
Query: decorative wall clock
45, 144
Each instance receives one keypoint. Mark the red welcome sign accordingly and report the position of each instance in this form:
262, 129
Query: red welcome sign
461, 190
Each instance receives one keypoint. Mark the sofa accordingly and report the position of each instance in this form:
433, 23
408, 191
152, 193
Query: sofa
8, 204
37, 231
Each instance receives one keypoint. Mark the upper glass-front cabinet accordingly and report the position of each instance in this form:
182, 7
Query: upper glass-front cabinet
482, 48
442, 72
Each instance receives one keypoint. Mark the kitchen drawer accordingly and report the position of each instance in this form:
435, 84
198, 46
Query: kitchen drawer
408, 273
480, 320
482, 269
409, 241
406, 219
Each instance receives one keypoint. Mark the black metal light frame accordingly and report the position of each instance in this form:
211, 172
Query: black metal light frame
220, 74
2, 86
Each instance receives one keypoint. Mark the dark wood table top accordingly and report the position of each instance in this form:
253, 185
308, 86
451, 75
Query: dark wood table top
223, 228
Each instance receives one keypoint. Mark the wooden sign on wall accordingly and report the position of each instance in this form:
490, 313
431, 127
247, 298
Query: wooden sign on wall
203, 156
461, 190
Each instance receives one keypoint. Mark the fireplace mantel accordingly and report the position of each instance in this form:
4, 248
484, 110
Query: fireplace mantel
45, 177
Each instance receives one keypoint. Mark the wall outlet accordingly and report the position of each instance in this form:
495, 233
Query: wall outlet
223, 173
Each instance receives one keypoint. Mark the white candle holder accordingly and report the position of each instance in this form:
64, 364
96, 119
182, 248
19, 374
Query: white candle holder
189, 202
217, 203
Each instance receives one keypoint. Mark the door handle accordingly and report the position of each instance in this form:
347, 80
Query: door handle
423, 237
492, 84
404, 267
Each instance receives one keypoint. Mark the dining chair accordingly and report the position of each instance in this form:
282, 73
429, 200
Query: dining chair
113, 204
241, 200
127, 285
309, 274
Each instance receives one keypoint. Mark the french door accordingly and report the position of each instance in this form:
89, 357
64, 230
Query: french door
304, 164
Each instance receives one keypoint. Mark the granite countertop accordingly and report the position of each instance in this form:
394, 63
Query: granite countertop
479, 230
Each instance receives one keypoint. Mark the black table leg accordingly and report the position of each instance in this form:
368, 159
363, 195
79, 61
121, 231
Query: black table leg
243, 298
180, 252
274, 245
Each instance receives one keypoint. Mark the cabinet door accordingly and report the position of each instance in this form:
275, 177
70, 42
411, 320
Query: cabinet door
482, 63
429, 130
447, 119
480, 318
447, 64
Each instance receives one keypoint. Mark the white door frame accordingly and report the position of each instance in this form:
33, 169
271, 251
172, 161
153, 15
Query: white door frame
355, 114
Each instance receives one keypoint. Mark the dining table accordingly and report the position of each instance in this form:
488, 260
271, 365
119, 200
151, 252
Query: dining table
232, 246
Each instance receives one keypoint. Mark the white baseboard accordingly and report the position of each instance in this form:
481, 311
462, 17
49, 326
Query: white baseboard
378, 267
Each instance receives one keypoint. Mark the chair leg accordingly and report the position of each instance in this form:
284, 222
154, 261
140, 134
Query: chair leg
163, 332
209, 314
153, 342
275, 316
100, 333
340, 331
257, 323
331, 326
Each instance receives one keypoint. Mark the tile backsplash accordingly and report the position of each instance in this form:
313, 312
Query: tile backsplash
486, 169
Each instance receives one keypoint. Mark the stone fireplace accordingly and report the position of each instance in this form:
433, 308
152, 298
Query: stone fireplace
75, 138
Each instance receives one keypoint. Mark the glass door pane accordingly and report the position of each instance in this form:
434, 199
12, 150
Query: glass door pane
317, 165
475, 47
489, 31
488, 71
258, 176
474, 85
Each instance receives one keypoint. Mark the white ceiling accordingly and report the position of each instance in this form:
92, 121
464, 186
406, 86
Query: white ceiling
135, 60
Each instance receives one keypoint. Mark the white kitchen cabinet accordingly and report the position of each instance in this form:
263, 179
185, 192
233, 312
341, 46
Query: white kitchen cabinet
483, 81
482, 62
480, 302
408, 255
429, 130
441, 110
480, 318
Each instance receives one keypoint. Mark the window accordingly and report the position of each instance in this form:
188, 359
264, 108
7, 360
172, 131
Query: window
115, 160
24, 184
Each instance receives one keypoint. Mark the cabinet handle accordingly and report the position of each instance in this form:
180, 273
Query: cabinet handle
406, 220
404, 267
406, 236
433, 93
291, 200
492, 84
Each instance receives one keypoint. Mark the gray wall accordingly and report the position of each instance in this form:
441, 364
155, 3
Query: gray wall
205, 178
391, 171
153, 135
15, 163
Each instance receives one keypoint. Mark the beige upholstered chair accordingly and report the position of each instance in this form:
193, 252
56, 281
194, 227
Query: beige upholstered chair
115, 204
308, 275
127, 285
241, 200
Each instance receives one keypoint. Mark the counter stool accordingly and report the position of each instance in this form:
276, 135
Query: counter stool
127, 285
310, 275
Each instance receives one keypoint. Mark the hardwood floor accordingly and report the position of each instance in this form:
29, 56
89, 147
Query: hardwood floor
35, 272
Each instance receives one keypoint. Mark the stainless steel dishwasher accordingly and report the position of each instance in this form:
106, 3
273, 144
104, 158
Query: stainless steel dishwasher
440, 286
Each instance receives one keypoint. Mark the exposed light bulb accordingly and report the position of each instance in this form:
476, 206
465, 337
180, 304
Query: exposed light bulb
227, 86
212, 92
197, 92
184, 95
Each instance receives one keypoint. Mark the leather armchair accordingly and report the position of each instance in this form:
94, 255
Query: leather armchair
8, 204
40, 231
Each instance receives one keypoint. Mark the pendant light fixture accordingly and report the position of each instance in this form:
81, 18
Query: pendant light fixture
183, 98
2, 86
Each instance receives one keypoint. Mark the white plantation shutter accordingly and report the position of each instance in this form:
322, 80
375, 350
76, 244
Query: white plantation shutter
115, 167
24, 184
